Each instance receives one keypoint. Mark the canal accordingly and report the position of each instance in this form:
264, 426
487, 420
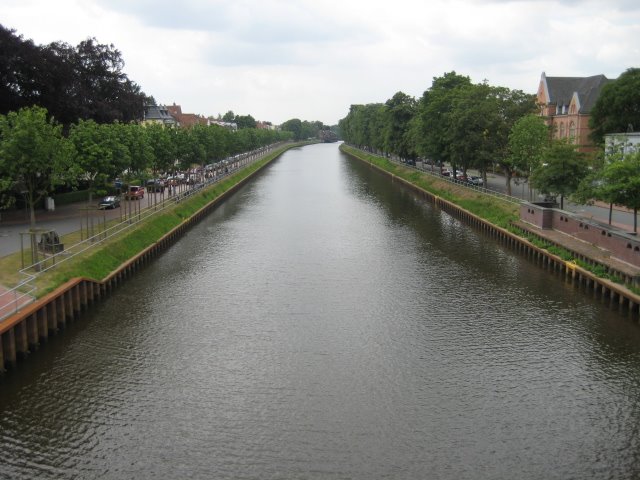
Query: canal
325, 323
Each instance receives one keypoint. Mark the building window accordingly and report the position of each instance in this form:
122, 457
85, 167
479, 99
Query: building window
561, 135
572, 131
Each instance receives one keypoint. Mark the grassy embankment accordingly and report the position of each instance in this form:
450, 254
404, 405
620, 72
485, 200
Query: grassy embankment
496, 211
492, 209
98, 262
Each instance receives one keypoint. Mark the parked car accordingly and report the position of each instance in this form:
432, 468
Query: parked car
155, 185
134, 192
446, 172
109, 202
477, 181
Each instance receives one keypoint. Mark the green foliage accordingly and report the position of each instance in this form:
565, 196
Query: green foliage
528, 139
562, 170
94, 154
619, 182
71, 197
492, 209
617, 106
432, 128
399, 111
245, 121
563, 253
454, 121
302, 129
34, 154
82, 82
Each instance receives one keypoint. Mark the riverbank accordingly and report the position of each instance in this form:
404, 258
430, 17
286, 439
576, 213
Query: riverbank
69, 290
581, 263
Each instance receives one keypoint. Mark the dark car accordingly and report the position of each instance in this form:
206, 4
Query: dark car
477, 181
109, 202
155, 185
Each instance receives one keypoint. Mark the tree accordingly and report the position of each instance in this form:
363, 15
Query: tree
430, 130
619, 183
83, 82
229, 116
474, 122
528, 139
399, 111
561, 172
163, 144
617, 109
94, 155
21, 62
512, 106
294, 126
245, 121
35, 155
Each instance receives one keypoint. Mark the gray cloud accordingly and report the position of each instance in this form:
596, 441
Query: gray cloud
267, 21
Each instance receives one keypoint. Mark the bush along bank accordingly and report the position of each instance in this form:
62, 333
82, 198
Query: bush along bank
499, 219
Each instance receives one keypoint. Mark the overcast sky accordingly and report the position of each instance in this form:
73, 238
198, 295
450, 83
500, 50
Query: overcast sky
312, 59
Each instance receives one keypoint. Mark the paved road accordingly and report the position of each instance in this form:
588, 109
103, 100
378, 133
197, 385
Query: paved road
64, 219
621, 217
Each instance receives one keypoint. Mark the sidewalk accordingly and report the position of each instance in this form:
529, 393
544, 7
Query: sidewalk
12, 301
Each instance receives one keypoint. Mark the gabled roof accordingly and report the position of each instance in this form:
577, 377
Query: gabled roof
158, 113
560, 90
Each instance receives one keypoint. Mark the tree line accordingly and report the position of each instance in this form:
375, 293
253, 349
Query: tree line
37, 155
70, 116
483, 127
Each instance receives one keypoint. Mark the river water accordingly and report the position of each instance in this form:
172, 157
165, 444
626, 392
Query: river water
325, 323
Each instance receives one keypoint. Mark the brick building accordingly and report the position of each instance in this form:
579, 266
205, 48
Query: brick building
566, 102
186, 119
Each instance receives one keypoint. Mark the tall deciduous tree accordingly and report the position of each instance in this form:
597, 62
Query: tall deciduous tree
399, 112
619, 183
83, 82
163, 144
561, 172
528, 139
617, 109
94, 154
294, 126
431, 129
34, 154
245, 121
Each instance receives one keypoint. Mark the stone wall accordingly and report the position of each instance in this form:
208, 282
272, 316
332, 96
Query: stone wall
622, 245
